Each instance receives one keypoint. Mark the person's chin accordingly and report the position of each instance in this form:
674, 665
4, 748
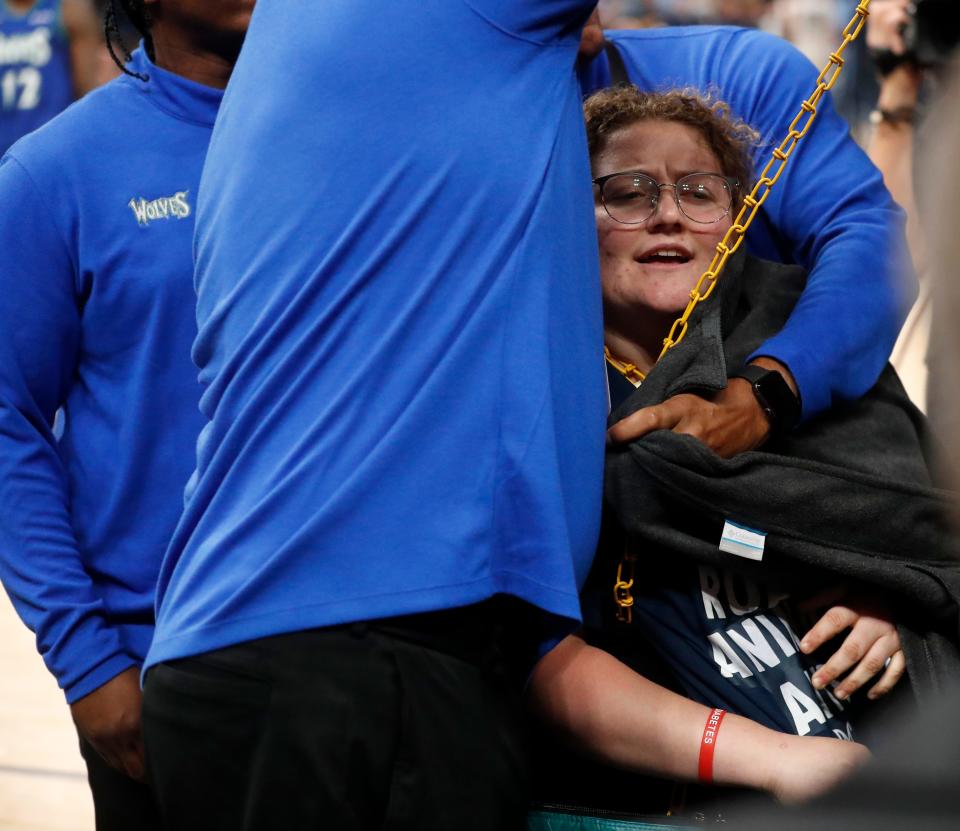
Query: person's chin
665, 306
675, 285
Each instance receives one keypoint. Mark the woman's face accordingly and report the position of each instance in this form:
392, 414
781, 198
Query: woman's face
653, 266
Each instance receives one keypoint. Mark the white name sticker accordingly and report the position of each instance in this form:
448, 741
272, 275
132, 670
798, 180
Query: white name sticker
742, 541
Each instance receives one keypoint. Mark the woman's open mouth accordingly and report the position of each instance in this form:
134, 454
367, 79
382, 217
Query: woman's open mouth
665, 256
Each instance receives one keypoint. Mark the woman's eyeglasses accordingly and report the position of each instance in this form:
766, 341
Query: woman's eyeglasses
632, 198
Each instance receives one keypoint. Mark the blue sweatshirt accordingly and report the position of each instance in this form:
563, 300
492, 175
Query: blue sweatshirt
829, 212
35, 77
399, 323
96, 318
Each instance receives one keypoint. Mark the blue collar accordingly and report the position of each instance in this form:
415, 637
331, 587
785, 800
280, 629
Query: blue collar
174, 94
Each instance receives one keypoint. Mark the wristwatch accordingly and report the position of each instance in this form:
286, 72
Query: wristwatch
774, 395
898, 115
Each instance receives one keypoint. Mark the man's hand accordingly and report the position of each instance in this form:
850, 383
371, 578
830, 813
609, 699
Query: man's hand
886, 23
591, 40
730, 422
807, 766
872, 645
109, 718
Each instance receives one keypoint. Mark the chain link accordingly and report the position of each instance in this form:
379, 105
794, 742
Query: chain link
621, 589
733, 239
768, 178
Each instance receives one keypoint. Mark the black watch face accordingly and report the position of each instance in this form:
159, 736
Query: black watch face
778, 400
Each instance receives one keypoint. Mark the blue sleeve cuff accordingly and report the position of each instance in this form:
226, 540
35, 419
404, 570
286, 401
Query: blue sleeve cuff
98, 676
815, 394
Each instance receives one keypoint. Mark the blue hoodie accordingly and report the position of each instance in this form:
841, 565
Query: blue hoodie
96, 318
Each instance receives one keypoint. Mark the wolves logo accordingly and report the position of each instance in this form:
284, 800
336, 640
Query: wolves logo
163, 208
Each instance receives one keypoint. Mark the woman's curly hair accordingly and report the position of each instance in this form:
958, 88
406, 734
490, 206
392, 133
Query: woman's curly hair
731, 139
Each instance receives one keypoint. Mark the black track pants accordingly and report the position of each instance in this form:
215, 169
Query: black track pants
352, 727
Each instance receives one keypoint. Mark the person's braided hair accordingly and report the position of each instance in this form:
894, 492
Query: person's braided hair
136, 12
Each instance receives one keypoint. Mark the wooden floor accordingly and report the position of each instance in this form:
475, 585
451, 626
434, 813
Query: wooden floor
43, 784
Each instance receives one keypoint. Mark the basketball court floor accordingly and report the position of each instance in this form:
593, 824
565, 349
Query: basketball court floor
42, 777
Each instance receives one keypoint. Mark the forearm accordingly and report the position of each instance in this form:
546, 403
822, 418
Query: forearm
891, 148
830, 213
41, 563
608, 710
841, 332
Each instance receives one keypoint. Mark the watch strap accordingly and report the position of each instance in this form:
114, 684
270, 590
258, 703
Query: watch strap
751, 372
774, 395
898, 115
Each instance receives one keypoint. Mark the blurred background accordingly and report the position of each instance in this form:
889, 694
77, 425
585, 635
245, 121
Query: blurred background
813, 26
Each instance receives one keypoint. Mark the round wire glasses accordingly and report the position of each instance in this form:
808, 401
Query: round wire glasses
632, 198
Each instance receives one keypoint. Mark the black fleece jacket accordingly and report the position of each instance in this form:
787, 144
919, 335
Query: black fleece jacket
849, 493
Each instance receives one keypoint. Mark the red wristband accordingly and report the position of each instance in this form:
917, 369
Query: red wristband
708, 744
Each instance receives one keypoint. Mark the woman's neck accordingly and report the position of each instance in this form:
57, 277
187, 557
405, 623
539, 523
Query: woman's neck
637, 339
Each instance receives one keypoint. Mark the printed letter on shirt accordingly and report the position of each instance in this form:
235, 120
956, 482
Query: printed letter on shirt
803, 708
726, 659
710, 591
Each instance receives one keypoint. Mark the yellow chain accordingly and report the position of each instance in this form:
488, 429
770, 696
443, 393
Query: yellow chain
621, 589
629, 371
752, 202
725, 248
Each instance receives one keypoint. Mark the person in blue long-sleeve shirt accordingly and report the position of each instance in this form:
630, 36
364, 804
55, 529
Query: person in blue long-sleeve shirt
96, 319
